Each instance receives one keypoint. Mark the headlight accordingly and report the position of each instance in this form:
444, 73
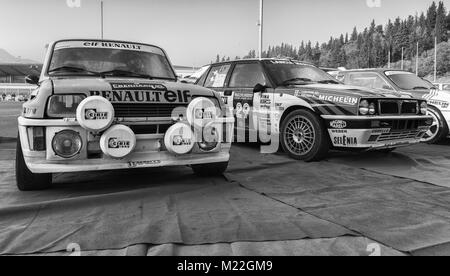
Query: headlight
424, 108
67, 143
364, 107
372, 109
64, 106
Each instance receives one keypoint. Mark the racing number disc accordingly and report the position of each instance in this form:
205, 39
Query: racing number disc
95, 114
118, 141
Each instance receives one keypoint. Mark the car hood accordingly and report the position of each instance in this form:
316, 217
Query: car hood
131, 90
353, 91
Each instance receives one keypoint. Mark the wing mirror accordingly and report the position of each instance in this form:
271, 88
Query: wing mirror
32, 79
259, 88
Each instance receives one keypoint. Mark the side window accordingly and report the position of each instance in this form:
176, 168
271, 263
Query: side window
217, 76
247, 75
202, 79
370, 80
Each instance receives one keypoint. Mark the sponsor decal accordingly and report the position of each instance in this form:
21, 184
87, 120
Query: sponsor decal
225, 100
339, 124
201, 114
381, 131
347, 100
138, 86
144, 96
345, 141
116, 143
178, 140
339, 131
115, 45
93, 114
442, 104
136, 164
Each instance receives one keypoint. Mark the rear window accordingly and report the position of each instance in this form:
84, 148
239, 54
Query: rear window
217, 76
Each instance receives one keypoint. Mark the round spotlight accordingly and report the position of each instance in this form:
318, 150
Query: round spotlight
67, 143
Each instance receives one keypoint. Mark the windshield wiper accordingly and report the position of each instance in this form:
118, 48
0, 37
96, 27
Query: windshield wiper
124, 73
72, 69
419, 87
296, 81
328, 82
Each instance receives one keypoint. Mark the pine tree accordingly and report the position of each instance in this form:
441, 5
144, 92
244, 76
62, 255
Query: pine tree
440, 29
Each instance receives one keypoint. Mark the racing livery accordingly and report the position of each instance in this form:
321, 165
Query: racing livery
106, 105
407, 82
308, 112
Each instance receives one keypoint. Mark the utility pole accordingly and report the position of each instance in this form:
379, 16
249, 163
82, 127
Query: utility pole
101, 7
389, 59
435, 59
260, 25
417, 59
403, 54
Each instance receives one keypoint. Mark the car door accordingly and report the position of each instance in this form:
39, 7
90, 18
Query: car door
250, 108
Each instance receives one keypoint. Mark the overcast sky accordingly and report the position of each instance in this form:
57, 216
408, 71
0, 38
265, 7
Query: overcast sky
191, 31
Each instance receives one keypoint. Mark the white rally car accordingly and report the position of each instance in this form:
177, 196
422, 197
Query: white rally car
308, 112
106, 105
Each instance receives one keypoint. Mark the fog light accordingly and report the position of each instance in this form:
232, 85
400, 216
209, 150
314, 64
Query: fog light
67, 143
364, 107
210, 139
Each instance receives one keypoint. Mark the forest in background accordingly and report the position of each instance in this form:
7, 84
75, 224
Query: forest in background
370, 47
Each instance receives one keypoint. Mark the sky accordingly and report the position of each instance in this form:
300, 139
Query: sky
192, 32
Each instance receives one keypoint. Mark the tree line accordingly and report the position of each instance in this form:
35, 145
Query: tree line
372, 46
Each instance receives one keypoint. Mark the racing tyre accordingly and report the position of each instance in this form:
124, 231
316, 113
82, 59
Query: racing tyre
25, 179
210, 169
439, 128
304, 137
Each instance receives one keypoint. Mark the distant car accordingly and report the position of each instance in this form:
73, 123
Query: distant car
407, 82
197, 75
111, 105
309, 112
442, 86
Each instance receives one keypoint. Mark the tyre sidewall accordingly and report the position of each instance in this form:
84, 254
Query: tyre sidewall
322, 138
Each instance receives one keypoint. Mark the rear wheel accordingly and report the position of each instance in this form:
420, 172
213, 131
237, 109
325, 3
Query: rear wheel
439, 128
25, 179
304, 137
213, 169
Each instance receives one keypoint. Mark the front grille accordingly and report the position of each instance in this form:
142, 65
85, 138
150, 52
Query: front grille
149, 110
401, 125
401, 107
398, 135
150, 129
410, 107
389, 107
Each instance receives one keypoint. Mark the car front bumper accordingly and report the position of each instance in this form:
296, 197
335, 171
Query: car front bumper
149, 151
372, 133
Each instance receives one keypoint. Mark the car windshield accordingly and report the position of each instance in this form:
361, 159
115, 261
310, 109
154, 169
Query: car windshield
110, 59
292, 73
408, 81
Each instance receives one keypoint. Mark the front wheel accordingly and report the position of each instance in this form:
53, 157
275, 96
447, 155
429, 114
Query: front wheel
438, 130
214, 169
25, 179
304, 137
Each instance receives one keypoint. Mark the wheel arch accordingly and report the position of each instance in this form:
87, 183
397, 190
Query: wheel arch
293, 108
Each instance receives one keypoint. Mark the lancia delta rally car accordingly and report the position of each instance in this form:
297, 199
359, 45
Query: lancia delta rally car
105, 105
407, 82
308, 112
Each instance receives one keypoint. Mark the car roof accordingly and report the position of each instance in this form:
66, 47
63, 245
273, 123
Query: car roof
258, 59
377, 70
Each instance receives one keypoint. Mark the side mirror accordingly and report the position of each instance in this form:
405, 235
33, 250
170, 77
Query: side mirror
32, 79
259, 88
